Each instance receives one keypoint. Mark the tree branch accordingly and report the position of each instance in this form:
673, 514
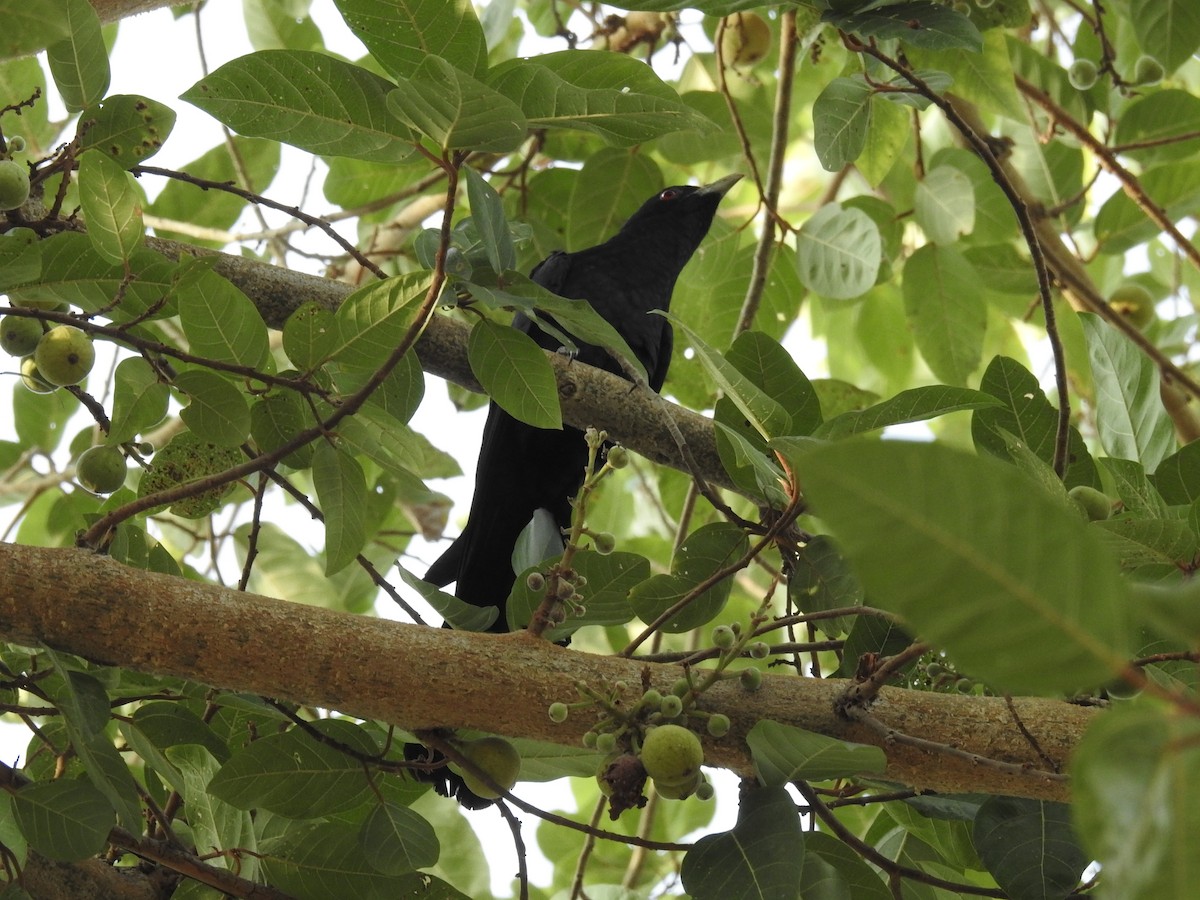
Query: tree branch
82, 603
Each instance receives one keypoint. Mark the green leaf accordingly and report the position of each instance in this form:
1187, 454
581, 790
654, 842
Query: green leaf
984, 78
1029, 847
1027, 414
1134, 794
127, 128
401, 34
767, 416
218, 320
463, 616
309, 335
947, 315
72, 272
1121, 223
39, 419
835, 871
1169, 30
298, 776
841, 118
31, 28
1160, 119
66, 820
139, 400
515, 373
278, 417
822, 580
455, 110
1131, 420
187, 458
310, 100
761, 857
782, 754
894, 506
1177, 477
921, 24
487, 211
213, 822
342, 492
914, 405
374, 320
606, 595
79, 63
396, 840
706, 551
839, 252
20, 258
217, 412
607, 94
316, 860
945, 205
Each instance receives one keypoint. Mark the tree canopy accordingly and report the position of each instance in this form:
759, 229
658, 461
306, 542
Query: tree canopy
957, 664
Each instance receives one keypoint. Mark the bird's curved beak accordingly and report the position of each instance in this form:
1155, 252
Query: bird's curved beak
722, 185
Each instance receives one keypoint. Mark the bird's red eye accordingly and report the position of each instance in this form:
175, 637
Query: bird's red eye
668, 194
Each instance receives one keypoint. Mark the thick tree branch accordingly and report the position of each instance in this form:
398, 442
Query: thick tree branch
422, 678
589, 396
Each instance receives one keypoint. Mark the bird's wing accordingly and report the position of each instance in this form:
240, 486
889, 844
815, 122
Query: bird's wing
551, 273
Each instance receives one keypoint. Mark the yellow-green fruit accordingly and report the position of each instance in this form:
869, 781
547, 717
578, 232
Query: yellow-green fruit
65, 355
32, 378
498, 758
671, 755
746, 39
101, 469
18, 336
1096, 505
1134, 303
14, 184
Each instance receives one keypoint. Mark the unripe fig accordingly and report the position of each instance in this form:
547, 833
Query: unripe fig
65, 355
746, 39
1148, 70
723, 637
19, 336
14, 184
101, 469
495, 756
678, 791
1134, 303
1096, 505
671, 755
32, 378
1082, 74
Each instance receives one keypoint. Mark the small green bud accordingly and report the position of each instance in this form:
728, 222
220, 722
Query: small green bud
723, 637
651, 697
718, 725
1083, 74
671, 706
535, 581
604, 543
606, 742
751, 679
558, 712
758, 650
618, 457
589, 739
1148, 70
16, 144
704, 791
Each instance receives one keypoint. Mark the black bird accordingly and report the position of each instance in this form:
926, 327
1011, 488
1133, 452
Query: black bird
522, 468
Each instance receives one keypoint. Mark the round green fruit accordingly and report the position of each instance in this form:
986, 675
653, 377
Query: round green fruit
19, 336
65, 355
14, 184
32, 378
671, 755
1148, 70
16, 144
1083, 74
1096, 505
746, 39
495, 756
1134, 303
101, 469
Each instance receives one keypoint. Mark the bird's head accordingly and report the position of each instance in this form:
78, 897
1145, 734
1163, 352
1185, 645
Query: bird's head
680, 214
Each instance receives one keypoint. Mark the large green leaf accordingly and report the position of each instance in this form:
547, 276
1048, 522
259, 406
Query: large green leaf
761, 857
608, 94
948, 316
958, 546
401, 34
705, 552
79, 63
342, 492
914, 405
455, 110
67, 819
139, 400
919, 23
126, 127
218, 320
310, 100
1029, 847
374, 320
783, 754
30, 28
217, 412
839, 252
1130, 417
112, 207
841, 117
1169, 30
515, 373
1135, 799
